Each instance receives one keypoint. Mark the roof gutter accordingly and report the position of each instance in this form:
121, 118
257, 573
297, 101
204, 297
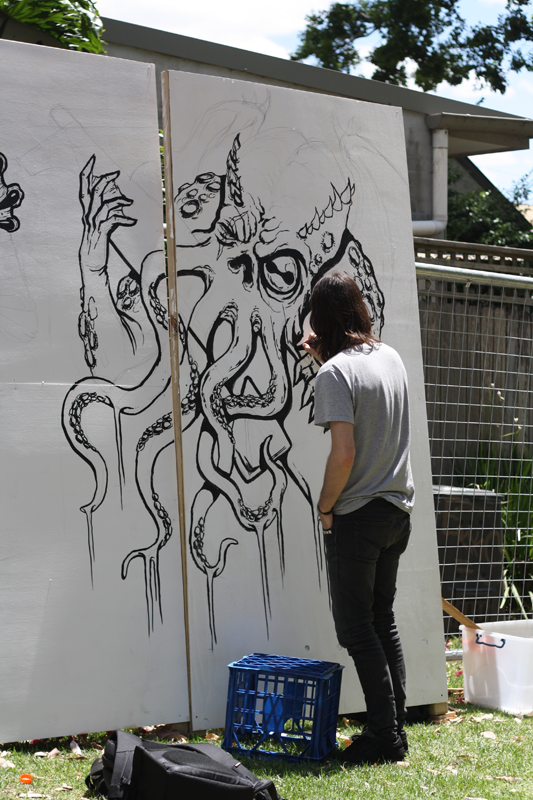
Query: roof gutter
432, 227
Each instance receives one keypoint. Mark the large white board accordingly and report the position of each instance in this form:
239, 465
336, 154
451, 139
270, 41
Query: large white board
271, 188
91, 602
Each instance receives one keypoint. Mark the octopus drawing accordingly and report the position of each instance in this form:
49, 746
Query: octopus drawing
255, 249
248, 254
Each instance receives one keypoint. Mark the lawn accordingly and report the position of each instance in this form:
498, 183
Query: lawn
482, 754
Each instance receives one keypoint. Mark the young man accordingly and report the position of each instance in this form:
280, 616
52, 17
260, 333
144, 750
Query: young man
365, 502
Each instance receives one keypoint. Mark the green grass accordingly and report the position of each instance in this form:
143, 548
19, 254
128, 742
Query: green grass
448, 761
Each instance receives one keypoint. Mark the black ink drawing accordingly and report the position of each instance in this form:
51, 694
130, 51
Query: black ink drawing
11, 196
255, 263
253, 269
132, 308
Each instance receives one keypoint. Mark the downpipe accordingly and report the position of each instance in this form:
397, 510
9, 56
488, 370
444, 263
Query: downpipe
432, 227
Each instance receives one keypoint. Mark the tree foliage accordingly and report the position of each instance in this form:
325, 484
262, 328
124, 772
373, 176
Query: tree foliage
430, 33
76, 24
487, 217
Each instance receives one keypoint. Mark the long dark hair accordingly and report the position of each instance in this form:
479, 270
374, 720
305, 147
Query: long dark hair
339, 316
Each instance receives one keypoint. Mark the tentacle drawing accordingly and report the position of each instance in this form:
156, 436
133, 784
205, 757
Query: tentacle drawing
203, 501
158, 437
114, 322
74, 404
253, 519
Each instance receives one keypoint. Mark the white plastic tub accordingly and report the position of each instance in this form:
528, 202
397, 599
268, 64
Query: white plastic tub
498, 665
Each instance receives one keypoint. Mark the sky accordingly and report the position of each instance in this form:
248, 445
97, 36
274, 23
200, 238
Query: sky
272, 27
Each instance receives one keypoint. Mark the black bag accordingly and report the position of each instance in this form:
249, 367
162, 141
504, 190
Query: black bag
134, 769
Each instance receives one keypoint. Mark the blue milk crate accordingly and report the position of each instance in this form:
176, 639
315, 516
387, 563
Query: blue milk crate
280, 707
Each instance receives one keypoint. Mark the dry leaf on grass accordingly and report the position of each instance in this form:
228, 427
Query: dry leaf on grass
74, 746
475, 798
96, 746
481, 717
489, 735
4, 762
452, 770
166, 731
440, 719
507, 778
54, 753
35, 794
214, 737
402, 763
40, 754
434, 771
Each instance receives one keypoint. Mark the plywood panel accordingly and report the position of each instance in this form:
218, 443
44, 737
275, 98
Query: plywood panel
92, 622
270, 188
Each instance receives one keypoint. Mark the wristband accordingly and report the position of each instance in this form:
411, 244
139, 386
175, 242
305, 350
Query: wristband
324, 513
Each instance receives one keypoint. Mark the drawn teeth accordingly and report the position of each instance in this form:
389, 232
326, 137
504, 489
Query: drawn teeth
346, 196
337, 202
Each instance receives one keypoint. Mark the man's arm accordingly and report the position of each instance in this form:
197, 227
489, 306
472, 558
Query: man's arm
338, 468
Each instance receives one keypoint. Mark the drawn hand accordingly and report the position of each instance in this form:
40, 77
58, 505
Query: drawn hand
103, 212
310, 346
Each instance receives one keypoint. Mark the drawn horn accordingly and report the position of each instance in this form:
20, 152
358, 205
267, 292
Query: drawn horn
233, 180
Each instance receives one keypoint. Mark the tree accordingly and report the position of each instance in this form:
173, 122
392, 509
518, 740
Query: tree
76, 24
431, 33
488, 217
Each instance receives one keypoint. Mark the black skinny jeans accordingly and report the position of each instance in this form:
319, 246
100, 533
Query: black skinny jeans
363, 551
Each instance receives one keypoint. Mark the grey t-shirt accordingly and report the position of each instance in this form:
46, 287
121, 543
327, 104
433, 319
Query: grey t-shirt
367, 386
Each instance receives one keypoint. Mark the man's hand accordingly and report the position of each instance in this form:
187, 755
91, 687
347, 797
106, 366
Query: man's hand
309, 345
326, 520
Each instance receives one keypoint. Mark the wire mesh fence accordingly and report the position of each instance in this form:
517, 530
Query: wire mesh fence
477, 341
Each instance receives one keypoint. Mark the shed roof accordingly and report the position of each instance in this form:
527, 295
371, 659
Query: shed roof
468, 136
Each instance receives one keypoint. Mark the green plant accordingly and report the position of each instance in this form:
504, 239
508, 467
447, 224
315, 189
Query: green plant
504, 466
76, 24
488, 217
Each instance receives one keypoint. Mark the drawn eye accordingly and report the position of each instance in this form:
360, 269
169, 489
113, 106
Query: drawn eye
281, 275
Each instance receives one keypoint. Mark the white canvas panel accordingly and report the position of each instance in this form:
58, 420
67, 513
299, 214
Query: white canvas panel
272, 187
91, 598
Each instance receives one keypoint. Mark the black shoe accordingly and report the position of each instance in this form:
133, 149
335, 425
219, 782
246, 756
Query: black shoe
370, 749
401, 733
